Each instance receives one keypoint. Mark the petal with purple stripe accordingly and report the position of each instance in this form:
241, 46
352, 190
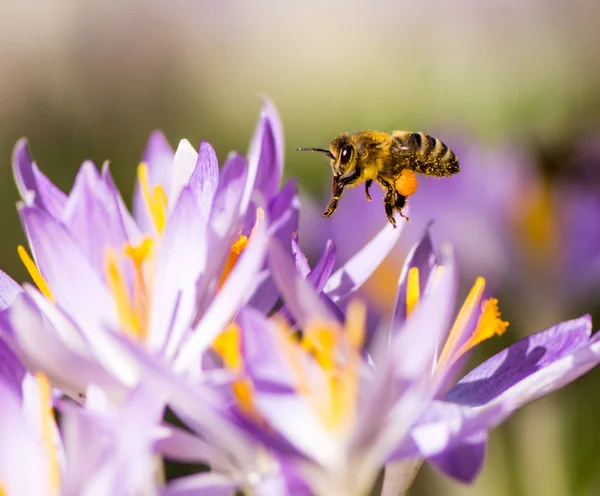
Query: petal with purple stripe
465, 461
29, 180
520, 360
93, 217
205, 178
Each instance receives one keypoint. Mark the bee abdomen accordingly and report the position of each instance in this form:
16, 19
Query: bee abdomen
431, 156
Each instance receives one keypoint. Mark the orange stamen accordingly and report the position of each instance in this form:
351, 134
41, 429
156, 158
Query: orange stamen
234, 253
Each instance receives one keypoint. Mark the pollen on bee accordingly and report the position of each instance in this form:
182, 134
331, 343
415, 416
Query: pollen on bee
406, 184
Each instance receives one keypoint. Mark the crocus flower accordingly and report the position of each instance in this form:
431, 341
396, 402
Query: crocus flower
187, 260
345, 413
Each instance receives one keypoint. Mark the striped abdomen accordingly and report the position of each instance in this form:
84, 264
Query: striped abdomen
425, 154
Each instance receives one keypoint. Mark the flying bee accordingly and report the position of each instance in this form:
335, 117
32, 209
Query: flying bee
390, 160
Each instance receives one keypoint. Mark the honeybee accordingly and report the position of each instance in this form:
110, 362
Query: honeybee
390, 160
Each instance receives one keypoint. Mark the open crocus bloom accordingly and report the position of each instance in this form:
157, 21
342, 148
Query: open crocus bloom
345, 413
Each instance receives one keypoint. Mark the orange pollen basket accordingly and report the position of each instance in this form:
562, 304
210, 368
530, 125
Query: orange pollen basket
407, 183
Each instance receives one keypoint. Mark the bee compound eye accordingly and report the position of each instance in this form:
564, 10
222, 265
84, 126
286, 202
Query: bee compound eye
345, 154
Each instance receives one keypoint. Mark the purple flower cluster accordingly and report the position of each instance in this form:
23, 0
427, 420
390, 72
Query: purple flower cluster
203, 303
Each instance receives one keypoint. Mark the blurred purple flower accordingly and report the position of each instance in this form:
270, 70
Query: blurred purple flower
504, 219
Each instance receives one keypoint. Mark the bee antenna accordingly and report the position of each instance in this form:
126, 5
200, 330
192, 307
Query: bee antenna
322, 150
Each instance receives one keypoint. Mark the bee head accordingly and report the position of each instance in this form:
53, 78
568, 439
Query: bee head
341, 153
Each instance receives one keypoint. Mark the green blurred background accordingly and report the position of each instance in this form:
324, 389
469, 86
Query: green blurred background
92, 79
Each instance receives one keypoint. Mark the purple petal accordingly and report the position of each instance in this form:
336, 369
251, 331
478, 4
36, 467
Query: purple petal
320, 274
266, 152
197, 404
159, 158
226, 208
299, 295
131, 228
23, 465
465, 461
519, 361
299, 257
93, 217
41, 347
181, 259
261, 349
9, 290
29, 180
208, 484
205, 178
12, 371
350, 276
283, 219
134, 428
73, 282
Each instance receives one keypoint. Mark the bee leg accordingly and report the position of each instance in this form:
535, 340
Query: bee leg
388, 201
336, 191
367, 186
399, 204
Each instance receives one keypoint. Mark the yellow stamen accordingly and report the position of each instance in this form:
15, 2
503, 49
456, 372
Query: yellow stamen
139, 255
118, 287
2, 491
321, 340
356, 318
34, 272
461, 321
234, 253
413, 290
488, 325
243, 390
154, 198
48, 431
227, 345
